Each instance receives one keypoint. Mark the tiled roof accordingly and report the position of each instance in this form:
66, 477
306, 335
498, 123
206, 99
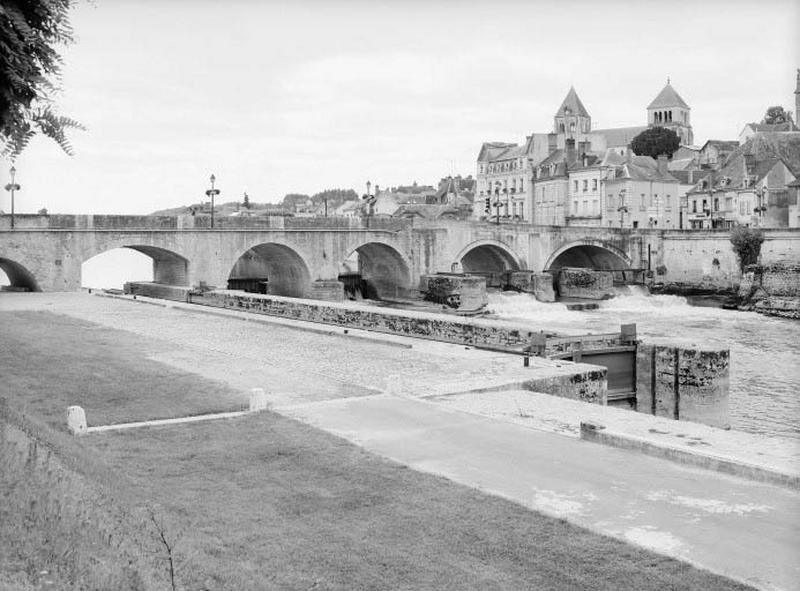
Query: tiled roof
722, 144
668, 97
574, 103
557, 157
490, 149
642, 168
619, 136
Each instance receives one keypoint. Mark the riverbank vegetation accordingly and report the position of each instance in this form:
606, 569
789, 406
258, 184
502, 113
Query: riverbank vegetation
262, 502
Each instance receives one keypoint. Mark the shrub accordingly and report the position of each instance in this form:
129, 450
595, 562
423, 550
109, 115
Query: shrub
747, 245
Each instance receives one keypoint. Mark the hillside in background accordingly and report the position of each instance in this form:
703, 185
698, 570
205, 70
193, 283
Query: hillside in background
223, 209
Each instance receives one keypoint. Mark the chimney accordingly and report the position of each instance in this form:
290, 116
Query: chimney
691, 175
628, 154
570, 151
662, 164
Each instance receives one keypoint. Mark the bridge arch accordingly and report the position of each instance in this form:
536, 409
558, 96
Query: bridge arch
488, 256
169, 267
385, 271
589, 253
282, 268
18, 276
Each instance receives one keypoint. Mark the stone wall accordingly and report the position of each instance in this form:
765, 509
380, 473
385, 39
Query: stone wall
773, 290
683, 384
440, 327
156, 290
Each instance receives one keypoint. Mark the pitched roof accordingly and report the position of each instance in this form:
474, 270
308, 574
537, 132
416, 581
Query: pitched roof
642, 168
668, 97
574, 104
490, 149
722, 144
619, 136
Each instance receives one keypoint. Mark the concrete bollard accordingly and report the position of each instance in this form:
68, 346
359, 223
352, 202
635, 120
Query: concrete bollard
76, 420
258, 400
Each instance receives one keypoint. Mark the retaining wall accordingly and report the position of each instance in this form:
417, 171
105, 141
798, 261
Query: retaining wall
438, 327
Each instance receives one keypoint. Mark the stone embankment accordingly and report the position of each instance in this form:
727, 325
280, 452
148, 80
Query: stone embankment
773, 290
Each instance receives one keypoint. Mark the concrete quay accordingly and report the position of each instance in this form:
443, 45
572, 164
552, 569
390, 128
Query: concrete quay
398, 397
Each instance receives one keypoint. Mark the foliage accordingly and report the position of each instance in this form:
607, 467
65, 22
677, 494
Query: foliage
775, 115
334, 196
29, 71
292, 200
246, 201
656, 141
747, 245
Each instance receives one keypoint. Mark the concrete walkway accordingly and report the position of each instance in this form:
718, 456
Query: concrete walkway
744, 530
398, 397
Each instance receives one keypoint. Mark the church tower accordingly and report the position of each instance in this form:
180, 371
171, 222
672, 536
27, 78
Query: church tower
669, 110
572, 119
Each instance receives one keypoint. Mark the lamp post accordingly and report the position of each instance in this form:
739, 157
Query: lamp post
212, 192
12, 187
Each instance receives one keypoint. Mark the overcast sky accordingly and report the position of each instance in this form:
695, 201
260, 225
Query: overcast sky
279, 97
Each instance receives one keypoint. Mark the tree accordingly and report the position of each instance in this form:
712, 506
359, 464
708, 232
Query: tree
656, 141
29, 73
775, 115
291, 200
246, 201
747, 245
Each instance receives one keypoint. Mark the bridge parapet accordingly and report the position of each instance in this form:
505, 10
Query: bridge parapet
100, 222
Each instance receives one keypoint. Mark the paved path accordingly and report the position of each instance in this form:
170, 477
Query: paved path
368, 390
745, 530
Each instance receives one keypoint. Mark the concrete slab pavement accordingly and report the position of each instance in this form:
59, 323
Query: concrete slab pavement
745, 530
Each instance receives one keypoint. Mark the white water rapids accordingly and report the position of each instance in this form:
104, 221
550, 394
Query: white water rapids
765, 351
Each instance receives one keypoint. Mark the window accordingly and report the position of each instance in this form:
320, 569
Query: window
716, 203
521, 185
594, 184
575, 185
585, 185
694, 206
574, 207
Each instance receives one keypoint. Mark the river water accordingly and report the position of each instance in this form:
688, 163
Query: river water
765, 351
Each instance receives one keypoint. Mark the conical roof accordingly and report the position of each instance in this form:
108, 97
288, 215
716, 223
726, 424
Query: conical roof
573, 103
667, 98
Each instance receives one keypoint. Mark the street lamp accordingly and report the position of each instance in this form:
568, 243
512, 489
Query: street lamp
212, 192
12, 187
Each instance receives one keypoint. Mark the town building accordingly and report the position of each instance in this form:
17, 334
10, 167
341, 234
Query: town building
640, 192
526, 182
752, 188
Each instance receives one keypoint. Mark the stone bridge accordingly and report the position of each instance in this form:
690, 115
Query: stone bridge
300, 255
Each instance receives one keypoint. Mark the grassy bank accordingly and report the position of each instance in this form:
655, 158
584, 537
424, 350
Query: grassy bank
265, 502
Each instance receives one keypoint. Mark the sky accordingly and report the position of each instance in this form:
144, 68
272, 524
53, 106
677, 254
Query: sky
280, 97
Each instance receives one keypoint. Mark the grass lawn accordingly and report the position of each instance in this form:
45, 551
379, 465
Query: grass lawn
52, 361
265, 502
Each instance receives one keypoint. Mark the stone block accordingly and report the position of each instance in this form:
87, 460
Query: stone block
703, 380
538, 284
645, 387
578, 282
327, 290
460, 292
258, 400
664, 381
76, 420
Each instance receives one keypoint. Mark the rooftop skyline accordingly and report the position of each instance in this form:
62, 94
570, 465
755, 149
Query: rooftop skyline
275, 98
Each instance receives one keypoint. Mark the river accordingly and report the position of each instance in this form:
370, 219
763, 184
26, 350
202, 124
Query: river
765, 351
